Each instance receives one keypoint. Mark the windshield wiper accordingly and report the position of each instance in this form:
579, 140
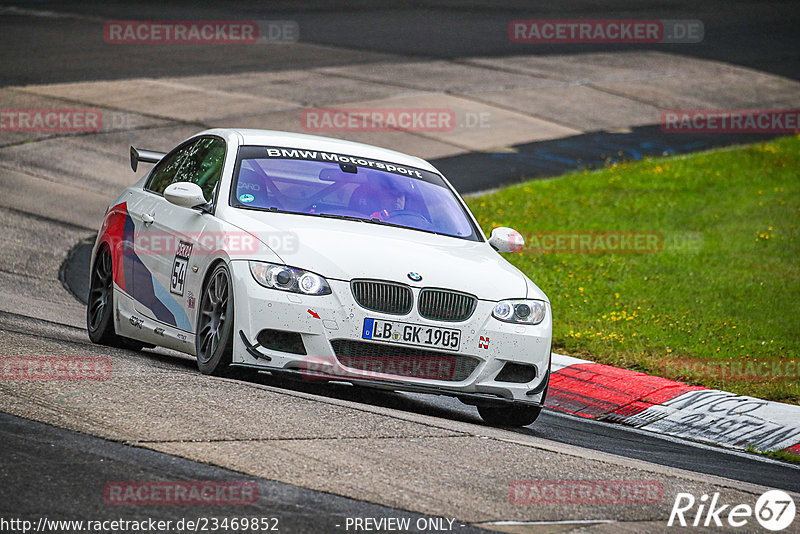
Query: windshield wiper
375, 220
271, 209
335, 216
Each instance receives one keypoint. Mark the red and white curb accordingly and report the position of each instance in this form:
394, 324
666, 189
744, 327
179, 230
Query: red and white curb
602, 392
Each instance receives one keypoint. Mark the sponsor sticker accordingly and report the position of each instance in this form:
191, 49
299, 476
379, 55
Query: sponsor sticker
315, 155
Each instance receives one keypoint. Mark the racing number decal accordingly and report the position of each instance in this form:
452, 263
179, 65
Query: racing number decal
178, 275
179, 268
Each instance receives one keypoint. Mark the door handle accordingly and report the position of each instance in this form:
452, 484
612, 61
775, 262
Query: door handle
147, 218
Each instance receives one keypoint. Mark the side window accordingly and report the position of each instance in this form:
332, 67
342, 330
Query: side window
203, 165
164, 173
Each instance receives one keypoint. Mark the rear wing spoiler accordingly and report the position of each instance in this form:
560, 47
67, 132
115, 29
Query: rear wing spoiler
145, 156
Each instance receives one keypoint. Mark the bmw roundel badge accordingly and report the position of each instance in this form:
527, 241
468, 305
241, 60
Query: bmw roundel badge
416, 277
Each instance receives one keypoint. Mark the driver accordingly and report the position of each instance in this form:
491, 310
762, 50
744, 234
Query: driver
390, 200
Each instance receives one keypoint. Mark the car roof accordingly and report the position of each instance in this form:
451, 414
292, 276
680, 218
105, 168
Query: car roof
327, 144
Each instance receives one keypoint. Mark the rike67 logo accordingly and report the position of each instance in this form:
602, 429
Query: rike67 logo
774, 510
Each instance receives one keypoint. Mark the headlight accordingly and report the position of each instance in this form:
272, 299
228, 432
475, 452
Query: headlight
520, 311
289, 279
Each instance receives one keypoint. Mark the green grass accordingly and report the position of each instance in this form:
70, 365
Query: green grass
724, 289
783, 456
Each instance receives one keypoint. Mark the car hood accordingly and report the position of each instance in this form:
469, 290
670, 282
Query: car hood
344, 250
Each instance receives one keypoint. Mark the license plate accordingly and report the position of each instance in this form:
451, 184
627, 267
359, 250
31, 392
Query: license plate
411, 334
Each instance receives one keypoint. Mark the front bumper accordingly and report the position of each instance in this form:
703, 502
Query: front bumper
487, 343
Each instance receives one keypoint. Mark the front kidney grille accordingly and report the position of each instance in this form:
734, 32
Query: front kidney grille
446, 305
384, 297
403, 361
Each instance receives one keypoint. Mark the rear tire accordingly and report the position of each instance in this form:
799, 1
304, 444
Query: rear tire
509, 415
100, 306
214, 339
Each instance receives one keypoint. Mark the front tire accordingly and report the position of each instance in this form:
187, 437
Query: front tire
214, 339
100, 305
509, 415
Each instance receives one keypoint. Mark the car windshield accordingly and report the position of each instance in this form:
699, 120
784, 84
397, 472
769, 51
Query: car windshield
341, 186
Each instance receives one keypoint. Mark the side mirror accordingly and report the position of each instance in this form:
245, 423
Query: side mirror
185, 194
504, 239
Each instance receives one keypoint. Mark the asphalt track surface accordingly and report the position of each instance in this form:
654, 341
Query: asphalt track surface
760, 35
57, 472
62, 474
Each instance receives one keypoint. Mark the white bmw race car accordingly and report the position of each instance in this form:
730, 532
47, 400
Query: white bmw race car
323, 259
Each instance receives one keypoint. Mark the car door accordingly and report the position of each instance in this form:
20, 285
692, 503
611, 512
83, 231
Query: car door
176, 236
141, 259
